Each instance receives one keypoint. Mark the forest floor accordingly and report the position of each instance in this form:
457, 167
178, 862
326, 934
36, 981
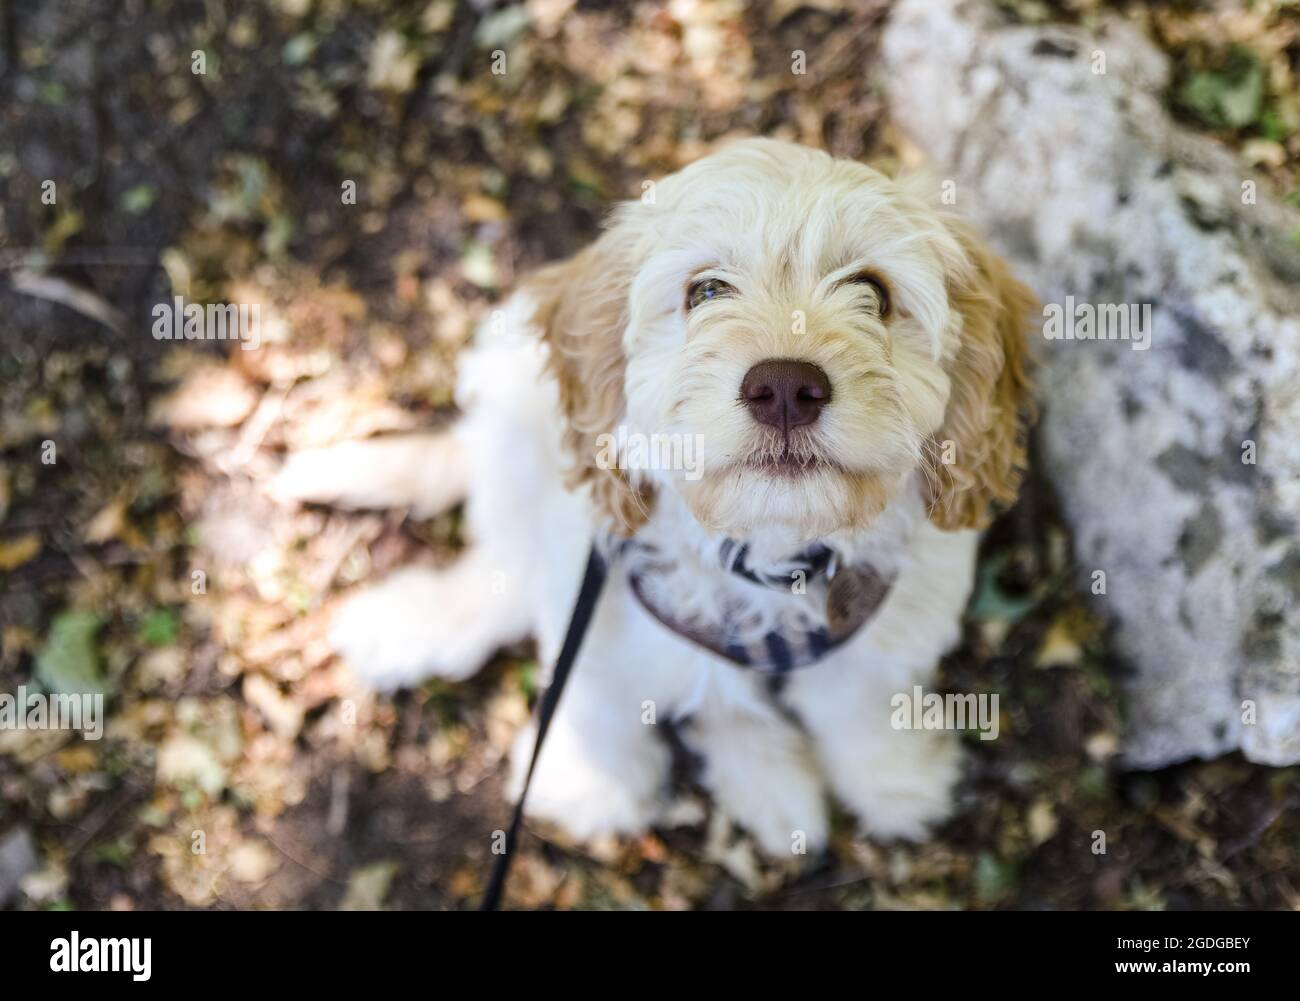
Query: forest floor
149, 558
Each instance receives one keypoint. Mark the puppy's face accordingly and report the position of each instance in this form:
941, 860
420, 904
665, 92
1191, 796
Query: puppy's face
783, 339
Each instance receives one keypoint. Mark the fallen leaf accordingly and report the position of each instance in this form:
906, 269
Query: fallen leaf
15, 640
69, 662
108, 524
185, 761
212, 396
78, 759
991, 603
160, 627
994, 877
1102, 746
163, 666
283, 715
1059, 647
481, 208
1042, 821
15, 552
251, 862
368, 886
437, 17
47, 885
479, 265
391, 66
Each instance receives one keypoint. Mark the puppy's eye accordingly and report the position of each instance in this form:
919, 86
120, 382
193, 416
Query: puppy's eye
705, 289
878, 290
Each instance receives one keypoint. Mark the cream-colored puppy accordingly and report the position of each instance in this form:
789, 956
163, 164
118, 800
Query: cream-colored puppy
783, 395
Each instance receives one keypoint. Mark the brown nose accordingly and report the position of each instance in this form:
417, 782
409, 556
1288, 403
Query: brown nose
785, 394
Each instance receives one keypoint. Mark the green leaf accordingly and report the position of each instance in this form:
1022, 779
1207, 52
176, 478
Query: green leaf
503, 28
1231, 96
160, 627
991, 603
1093, 782
115, 853
479, 264
139, 199
53, 93
994, 877
1273, 126
1241, 102
299, 49
69, 662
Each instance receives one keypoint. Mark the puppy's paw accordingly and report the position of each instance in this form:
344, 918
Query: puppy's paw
587, 798
784, 810
762, 775
908, 793
413, 625
427, 472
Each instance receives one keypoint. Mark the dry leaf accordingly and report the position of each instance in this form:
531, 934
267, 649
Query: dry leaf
212, 396
368, 886
480, 208
283, 715
108, 524
15, 552
1059, 647
251, 862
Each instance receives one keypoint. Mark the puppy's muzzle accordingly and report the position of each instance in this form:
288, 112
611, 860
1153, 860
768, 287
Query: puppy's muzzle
785, 393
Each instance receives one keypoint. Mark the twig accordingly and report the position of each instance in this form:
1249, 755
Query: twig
63, 292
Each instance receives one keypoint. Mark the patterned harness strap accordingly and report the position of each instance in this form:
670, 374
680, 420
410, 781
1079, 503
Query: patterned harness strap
853, 596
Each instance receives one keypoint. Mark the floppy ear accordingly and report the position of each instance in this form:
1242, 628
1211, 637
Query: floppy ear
990, 406
582, 310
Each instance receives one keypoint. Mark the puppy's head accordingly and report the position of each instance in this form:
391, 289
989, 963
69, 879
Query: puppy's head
784, 339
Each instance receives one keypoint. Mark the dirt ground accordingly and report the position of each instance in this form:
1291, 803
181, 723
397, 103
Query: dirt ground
149, 557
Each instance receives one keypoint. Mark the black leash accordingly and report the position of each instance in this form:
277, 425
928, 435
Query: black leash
592, 582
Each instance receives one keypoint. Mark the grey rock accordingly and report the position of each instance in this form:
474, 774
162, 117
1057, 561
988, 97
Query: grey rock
1084, 181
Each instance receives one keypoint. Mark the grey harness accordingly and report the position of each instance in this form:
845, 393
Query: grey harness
852, 596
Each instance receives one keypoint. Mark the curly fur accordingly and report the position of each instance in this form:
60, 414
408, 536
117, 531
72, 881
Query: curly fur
921, 441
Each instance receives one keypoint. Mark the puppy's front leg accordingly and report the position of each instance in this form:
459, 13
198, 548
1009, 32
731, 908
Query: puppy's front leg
420, 623
761, 773
898, 782
602, 769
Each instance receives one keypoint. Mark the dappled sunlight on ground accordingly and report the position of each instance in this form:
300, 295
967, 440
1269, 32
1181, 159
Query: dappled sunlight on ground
242, 766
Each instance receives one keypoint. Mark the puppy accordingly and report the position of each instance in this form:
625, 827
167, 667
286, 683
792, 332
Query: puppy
782, 396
